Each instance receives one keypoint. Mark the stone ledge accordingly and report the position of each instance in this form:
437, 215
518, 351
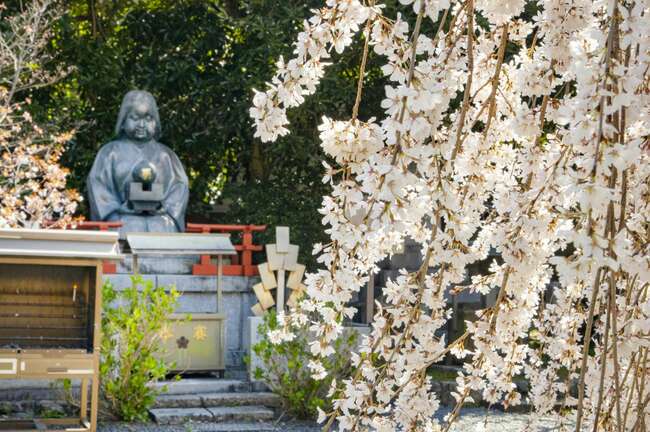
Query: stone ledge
190, 283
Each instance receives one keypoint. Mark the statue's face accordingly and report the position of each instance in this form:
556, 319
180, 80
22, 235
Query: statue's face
140, 124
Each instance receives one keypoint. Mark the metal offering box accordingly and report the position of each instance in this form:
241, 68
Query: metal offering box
50, 313
199, 344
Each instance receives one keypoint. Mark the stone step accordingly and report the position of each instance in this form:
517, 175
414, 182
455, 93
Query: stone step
179, 401
179, 416
266, 399
242, 413
217, 399
168, 416
192, 386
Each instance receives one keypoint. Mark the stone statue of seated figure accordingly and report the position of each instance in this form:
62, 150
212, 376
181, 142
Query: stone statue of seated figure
135, 179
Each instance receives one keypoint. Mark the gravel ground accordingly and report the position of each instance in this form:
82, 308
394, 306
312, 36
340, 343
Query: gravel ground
483, 420
471, 420
207, 427
296, 426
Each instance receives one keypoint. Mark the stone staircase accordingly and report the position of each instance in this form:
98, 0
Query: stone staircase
238, 404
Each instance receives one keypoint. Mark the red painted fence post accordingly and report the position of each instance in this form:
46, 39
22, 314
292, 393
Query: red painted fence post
242, 263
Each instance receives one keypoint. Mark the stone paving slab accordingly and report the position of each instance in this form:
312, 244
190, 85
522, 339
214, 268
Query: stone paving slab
178, 401
217, 399
234, 399
241, 413
203, 385
176, 416
179, 416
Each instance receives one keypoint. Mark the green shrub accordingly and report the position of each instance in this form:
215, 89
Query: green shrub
131, 357
286, 369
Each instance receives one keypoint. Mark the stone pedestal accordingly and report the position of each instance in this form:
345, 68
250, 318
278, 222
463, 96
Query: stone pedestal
199, 295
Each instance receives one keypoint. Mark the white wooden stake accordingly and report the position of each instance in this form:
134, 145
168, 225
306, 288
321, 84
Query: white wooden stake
282, 239
280, 294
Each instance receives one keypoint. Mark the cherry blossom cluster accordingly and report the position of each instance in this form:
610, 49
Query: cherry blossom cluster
32, 183
331, 27
521, 143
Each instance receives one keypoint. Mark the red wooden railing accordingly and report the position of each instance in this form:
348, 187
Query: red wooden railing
242, 263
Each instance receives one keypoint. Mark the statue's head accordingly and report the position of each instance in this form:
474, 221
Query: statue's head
138, 118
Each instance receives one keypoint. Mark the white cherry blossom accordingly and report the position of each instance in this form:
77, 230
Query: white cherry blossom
528, 139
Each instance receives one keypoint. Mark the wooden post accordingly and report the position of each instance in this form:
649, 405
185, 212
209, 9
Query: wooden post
135, 265
222, 346
280, 294
219, 274
83, 408
94, 400
109, 266
97, 342
282, 247
247, 250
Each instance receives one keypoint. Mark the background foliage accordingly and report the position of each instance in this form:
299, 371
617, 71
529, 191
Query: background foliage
201, 60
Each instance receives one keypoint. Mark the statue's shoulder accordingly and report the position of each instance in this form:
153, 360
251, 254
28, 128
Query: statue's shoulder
113, 146
164, 149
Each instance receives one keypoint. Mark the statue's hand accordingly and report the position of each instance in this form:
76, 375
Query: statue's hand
161, 210
124, 208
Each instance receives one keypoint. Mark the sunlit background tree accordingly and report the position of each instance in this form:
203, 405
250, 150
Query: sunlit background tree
33, 189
